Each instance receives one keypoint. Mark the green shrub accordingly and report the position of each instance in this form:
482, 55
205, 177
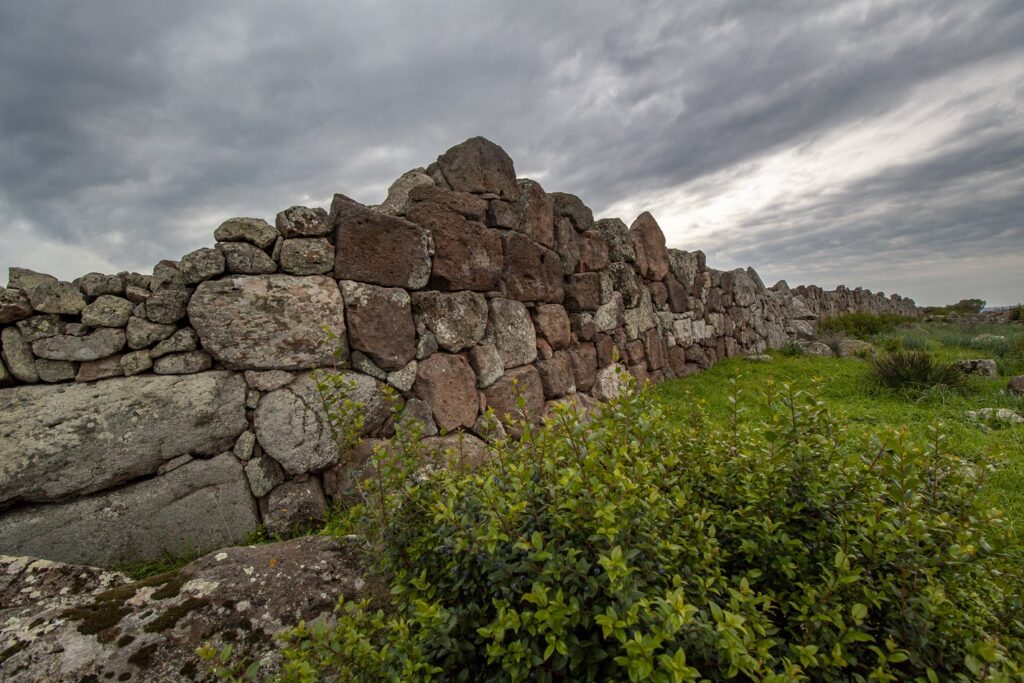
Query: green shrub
860, 325
1017, 312
791, 349
632, 548
915, 370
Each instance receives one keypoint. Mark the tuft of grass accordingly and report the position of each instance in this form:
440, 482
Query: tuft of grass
915, 370
166, 563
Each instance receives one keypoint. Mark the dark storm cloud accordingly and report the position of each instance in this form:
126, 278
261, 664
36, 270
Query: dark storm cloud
129, 130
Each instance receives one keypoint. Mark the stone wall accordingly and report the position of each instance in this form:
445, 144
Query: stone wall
162, 413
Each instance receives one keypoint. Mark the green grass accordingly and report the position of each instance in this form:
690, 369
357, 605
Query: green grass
846, 388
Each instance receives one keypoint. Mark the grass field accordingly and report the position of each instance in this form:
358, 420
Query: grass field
846, 388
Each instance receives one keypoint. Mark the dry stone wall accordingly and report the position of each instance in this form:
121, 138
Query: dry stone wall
145, 414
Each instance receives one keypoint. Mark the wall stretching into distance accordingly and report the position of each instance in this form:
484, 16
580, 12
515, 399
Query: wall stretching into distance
176, 411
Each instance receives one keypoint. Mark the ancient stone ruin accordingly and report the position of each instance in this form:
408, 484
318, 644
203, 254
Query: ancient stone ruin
163, 413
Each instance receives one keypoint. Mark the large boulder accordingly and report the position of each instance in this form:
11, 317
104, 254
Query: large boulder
201, 505
61, 622
536, 214
458, 320
467, 254
293, 427
983, 367
479, 166
60, 441
380, 323
532, 272
17, 354
108, 311
448, 384
14, 305
63, 298
265, 322
106, 341
242, 258
307, 256
511, 330
649, 238
255, 231
379, 249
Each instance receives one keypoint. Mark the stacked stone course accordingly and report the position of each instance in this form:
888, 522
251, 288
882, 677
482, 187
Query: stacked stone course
163, 412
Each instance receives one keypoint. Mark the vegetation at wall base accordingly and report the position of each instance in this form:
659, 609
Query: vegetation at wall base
650, 546
860, 325
915, 370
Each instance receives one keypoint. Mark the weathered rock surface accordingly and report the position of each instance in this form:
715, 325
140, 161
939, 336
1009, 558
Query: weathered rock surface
448, 384
68, 440
487, 364
14, 305
378, 249
108, 311
397, 201
458, 320
201, 264
292, 427
17, 354
467, 254
552, 324
532, 272
650, 240
142, 333
854, 348
243, 258
265, 322
182, 363
503, 396
380, 323
53, 371
479, 166
307, 256
536, 213
97, 284
983, 367
510, 328
25, 279
255, 231
293, 507
204, 503
106, 341
167, 306
63, 298
301, 221
1016, 385
62, 622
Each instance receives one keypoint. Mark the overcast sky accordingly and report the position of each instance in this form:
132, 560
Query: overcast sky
868, 143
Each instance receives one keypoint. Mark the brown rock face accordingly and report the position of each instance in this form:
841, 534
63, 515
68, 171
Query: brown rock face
379, 249
572, 207
593, 251
478, 166
380, 323
466, 205
584, 365
556, 375
467, 255
583, 292
532, 272
448, 384
502, 397
268, 322
654, 345
536, 215
646, 232
552, 323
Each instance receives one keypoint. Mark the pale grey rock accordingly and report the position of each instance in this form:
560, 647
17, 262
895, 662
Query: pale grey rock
53, 371
265, 322
487, 364
26, 280
510, 329
184, 363
184, 339
610, 315
5, 376
167, 305
201, 264
995, 415
263, 473
403, 379
293, 506
489, 428
1016, 385
640, 319
814, 348
17, 354
167, 275
244, 446
14, 305
136, 362
172, 465
40, 326
242, 258
458, 320
268, 380
616, 234
108, 311
364, 364
758, 358
307, 256
292, 427
201, 505
302, 221
252, 398
850, 348
63, 298
97, 284
983, 367
60, 441
76, 329
426, 345
104, 368
417, 414
397, 202
141, 333
252, 230
609, 383
106, 341
275, 252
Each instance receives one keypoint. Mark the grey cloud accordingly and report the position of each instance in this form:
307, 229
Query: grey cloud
132, 128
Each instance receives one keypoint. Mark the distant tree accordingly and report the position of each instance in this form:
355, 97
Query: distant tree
967, 306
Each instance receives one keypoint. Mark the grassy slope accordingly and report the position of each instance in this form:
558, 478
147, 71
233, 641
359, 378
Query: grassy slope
845, 387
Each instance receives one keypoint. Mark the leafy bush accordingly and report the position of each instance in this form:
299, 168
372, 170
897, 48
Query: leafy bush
860, 325
791, 349
632, 548
915, 370
1017, 312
